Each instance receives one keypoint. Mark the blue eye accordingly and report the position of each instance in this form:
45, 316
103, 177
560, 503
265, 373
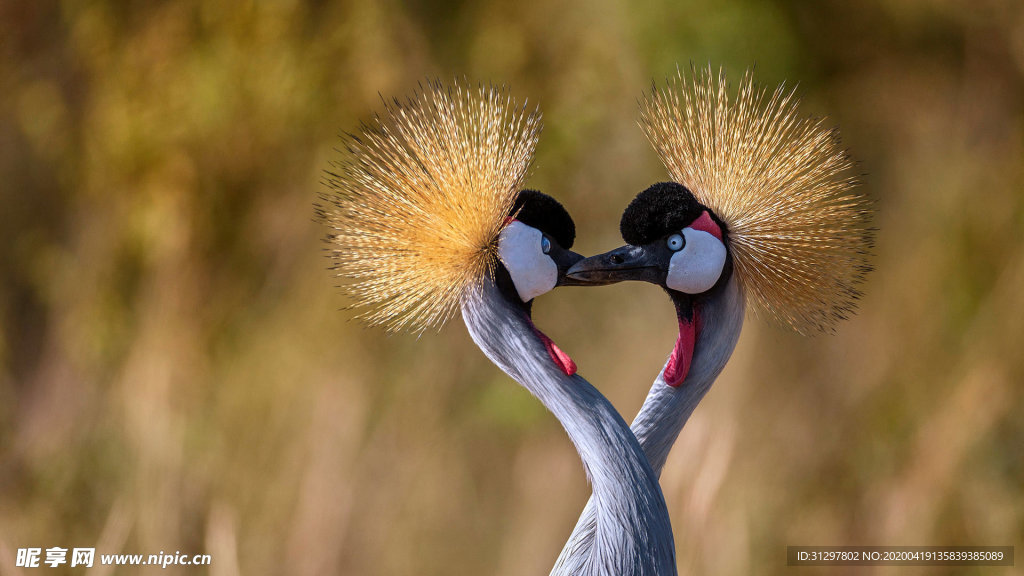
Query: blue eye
675, 242
545, 244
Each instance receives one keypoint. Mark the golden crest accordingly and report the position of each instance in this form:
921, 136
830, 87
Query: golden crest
798, 231
418, 201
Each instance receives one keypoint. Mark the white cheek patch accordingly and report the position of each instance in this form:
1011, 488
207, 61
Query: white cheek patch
533, 272
696, 267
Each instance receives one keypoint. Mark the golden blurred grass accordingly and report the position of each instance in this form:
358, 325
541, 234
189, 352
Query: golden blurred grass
175, 373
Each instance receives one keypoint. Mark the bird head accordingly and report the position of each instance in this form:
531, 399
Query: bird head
419, 202
428, 204
533, 248
674, 241
759, 193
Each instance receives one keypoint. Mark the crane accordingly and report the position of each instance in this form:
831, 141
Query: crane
759, 208
428, 216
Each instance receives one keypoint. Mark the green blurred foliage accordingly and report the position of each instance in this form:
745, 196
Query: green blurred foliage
175, 373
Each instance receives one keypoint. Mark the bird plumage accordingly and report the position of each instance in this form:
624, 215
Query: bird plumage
418, 202
631, 533
417, 210
799, 233
667, 408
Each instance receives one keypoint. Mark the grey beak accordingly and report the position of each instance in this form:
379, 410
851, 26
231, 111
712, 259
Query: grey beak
625, 263
565, 260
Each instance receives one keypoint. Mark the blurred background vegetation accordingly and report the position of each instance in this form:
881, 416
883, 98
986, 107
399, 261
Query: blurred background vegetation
175, 373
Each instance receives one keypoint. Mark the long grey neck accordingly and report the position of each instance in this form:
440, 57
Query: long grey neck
632, 533
667, 409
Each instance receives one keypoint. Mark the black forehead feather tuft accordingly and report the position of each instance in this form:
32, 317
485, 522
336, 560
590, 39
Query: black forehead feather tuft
544, 213
662, 209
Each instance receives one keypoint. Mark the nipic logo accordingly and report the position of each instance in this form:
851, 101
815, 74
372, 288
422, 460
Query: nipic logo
57, 556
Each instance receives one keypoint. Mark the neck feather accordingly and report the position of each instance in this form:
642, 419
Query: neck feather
667, 409
633, 534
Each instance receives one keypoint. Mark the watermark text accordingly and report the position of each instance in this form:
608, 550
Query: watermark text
86, 558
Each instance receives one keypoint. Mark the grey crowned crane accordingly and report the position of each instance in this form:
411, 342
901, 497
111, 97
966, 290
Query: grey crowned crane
427, 218
760, 208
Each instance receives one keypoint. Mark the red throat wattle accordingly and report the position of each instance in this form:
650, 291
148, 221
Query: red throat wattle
682, 354
561, 359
